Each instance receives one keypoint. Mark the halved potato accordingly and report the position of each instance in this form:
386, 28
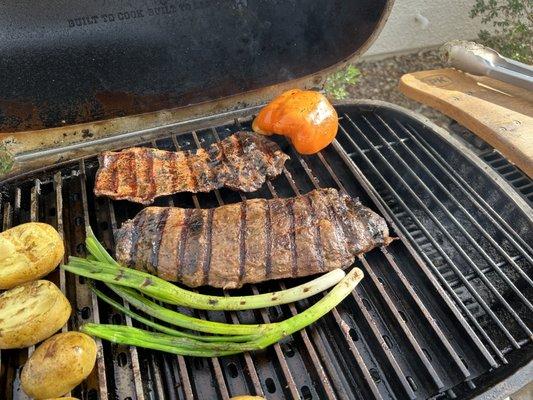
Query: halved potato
30, 313
28, 252
58, 365
247, 397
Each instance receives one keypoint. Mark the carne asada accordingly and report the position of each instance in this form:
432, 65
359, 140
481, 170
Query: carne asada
252, 241
242, 161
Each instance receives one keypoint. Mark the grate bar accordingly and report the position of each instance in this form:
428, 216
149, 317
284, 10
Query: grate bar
389, 257
83, 293
292, 385
292, 308
184, 375
483, 231
401, 377
456, 246
524, 248
438, 332
215, 363
385, 208
342, 324
134, 354
438, 247
467, 235
58, 190
423, 358
7, 222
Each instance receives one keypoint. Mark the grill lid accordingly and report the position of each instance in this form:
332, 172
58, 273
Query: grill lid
85, 61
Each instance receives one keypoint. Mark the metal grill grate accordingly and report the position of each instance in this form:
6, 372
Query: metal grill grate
436, 312
512, 174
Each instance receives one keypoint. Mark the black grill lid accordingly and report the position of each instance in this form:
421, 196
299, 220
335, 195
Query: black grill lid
66, 62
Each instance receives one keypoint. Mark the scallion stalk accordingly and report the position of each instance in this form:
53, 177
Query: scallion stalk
166, 329
185, 346
162, 290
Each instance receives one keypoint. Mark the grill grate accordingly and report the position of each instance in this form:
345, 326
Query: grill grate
435, 314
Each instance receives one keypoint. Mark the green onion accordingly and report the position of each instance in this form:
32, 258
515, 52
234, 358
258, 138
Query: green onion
106, 269
186, 321
166, 329
185, 346
131, 336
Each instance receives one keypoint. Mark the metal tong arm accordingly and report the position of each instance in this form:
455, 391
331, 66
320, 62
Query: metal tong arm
482, 61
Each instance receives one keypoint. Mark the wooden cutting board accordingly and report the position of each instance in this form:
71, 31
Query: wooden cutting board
499, 113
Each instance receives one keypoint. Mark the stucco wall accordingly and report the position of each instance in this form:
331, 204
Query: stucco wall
415, 24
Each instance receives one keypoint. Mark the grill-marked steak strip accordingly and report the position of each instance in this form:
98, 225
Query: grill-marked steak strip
253, 241
242, 161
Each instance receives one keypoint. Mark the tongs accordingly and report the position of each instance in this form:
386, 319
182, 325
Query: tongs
479, 60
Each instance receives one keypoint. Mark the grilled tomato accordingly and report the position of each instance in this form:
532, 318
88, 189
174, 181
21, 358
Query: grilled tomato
304, 116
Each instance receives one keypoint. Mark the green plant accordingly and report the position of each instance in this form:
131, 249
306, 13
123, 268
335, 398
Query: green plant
6, 160
512, 21
337, 82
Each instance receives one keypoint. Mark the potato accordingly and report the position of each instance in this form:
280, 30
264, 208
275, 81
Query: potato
28, 252
247, 397
58, 365
30, 313
63, 398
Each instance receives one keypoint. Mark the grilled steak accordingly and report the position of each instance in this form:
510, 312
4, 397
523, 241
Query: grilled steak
252, 241
242, 161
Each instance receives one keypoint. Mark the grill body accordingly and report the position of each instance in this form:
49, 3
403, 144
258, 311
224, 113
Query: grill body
443, 312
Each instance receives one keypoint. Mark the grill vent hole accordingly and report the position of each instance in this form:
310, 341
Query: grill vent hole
402, 314
199, 363
306, 393
380, 280
233, 371
288, 350
75, 196
85, 312
271, 386
412, 383
122, 359
104, 225
464, 362
52, 211
92, 394
374, 373
117, 319
78, 221
80, 248
427, 354
353, 334
367, 305
81, 279
274, 313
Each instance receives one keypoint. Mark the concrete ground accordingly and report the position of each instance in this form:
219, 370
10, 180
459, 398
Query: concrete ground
379, 81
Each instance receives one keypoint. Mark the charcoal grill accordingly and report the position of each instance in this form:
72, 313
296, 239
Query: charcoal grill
444, 312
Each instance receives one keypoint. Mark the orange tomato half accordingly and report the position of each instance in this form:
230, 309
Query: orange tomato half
304, 116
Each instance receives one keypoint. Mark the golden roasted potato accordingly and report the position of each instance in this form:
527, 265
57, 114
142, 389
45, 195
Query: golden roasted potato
247, 397
30, 313
28, 252
58, 365
63, 398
